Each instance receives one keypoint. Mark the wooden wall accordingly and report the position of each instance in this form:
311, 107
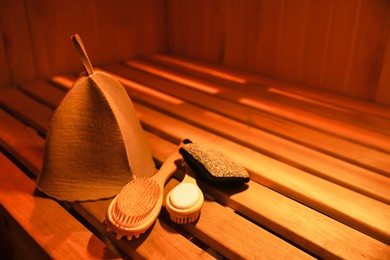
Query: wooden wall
338, 45
36, 42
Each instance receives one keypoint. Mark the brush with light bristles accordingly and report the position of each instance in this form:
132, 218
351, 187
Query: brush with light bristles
213, 166
185, 201
138, 204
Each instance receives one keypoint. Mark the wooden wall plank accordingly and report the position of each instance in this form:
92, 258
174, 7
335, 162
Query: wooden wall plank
291, 40
341, 40
16, 42
266, 51
333, 45
382, 94
196, 28
4, 70
364, 57
241, 33
327, 44
316, 42
111, 31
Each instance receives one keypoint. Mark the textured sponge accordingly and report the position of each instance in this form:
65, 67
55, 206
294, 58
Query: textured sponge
212, 165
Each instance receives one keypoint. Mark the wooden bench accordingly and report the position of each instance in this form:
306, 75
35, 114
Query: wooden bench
319, 166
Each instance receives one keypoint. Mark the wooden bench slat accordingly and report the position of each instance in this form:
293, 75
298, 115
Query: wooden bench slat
284, 98
302, 116
160, 241
44, 92
27, 109
241, 240
202, 68
373, 245
336, 146
147, 249
296, 132
299, 213
346, 174
264, 242
292, 220
216, 234
350, 207
51, 226
24, 144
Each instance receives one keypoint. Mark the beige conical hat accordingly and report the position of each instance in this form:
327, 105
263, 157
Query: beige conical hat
95, 143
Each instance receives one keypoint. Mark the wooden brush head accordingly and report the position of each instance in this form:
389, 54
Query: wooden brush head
135, 202
184, 203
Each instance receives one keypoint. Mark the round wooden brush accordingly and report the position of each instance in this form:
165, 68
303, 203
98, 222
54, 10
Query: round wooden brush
184, 202
138, 204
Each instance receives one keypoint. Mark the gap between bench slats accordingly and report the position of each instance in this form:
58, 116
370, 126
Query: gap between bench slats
314, 237
251, 98
164, 154
49, 225
353, 177
201, 69
275, 146
146, 249
265, 112
282, 97
351, 208
216, 232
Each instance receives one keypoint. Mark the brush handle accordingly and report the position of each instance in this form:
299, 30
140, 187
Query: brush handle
188, 178
168, 168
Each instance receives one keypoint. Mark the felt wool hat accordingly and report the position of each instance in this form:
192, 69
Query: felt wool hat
95, 144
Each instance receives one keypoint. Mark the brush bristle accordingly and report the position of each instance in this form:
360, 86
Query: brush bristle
185, 219
135, 202
213, 164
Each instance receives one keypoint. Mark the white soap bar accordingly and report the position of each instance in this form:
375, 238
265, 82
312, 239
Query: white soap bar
184, 196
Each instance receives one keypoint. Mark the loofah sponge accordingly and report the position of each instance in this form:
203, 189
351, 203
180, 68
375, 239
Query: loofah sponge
95, 143
212, 165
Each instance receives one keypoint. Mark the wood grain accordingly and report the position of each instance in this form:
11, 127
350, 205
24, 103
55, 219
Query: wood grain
201, 68
329, 168
289, 213
49, 225
4, 69
29, 151
29, 110
24, 144
324, 123
110, 32
196, 28
338, 46
332, 45
246, 115
382, 94
290, 181
16, 42
303, 186
151, 119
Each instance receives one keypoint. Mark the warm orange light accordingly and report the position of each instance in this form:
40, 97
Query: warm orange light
299, 97
66, 82
200, 68
256, 104
145, 89
167, 75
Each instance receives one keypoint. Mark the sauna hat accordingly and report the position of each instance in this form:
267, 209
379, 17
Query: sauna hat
95, 144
